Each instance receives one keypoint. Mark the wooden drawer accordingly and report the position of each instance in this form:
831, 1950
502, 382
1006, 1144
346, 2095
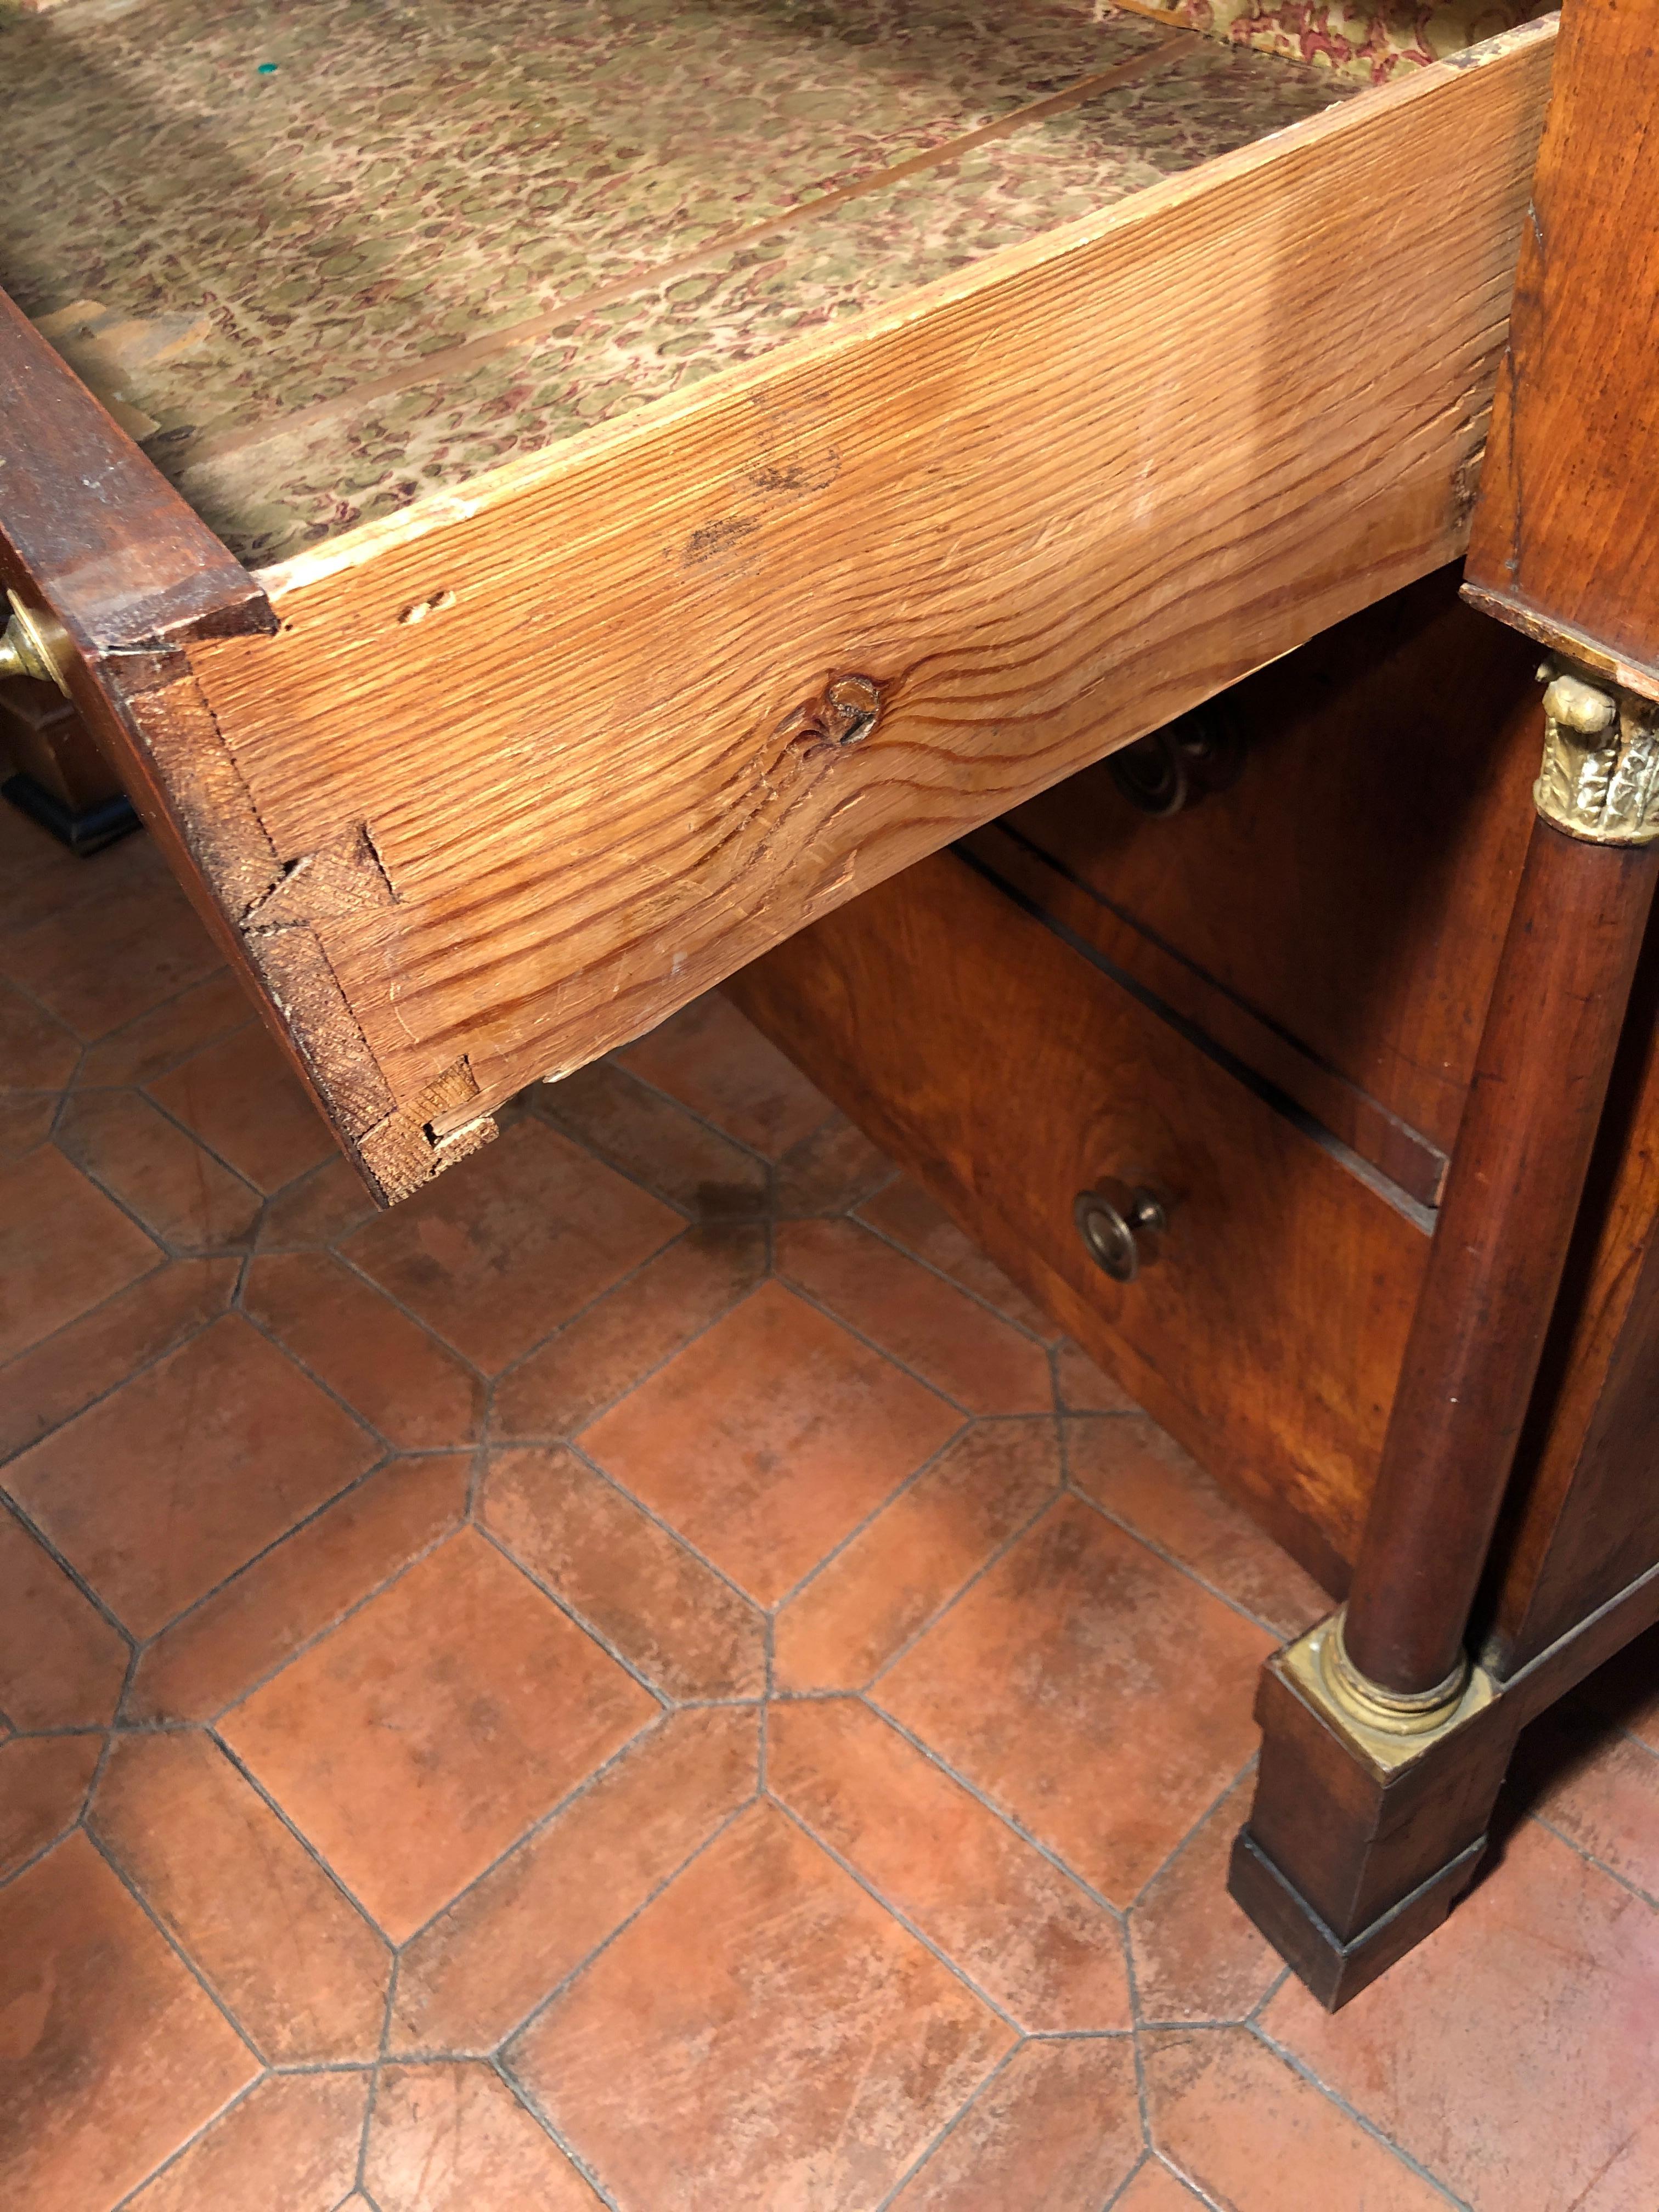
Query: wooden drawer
1012, 1073
1334, 914
639, 616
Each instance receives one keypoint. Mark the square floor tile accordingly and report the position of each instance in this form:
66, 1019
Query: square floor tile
245, 1103
764, 2033
770, 1439
499, 1252
413, 1744
715, 1061
62, 1664
1091, 1690
113, 2052
221, 1447
114, 954
63, 1248
1514, 2053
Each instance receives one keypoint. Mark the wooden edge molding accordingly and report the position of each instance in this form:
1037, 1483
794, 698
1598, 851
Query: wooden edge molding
129, 581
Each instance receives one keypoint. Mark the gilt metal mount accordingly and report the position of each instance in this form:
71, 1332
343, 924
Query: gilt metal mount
1599, 780
25, 649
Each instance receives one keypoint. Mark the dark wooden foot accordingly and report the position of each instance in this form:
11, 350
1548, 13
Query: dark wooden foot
1332, 1970
1359, 1842
85, 830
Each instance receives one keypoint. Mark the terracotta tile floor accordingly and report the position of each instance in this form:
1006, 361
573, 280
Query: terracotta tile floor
649, 1676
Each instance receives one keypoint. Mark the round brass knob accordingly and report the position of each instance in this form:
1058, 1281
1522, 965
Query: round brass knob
1169, 769
1119, 1228
25, 647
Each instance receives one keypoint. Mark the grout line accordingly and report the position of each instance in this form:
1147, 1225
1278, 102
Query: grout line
951, 2126
130, 1884
299, 1837
597, 1413
1151, 1544
611, 1650
10, 1504
1266, 1997
910, 1926
359, 1273
939, 1275
527, 2099
128, 1374
799, 1290
190, 2140
146, 1643
541, 1821
139, 1090
1589, 1858
842, 1543
611, 1483
339, 1620
369, 2103
668, 1099
1143, 2106
45, 1851
1282, 2052
1007, 1819
262, 1328
596, 1149
1056, 1497
542, 2004
1184, 1842
1124, 2186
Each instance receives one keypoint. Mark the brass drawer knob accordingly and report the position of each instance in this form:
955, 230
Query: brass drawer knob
25, 649
1167, 771
1119, 1228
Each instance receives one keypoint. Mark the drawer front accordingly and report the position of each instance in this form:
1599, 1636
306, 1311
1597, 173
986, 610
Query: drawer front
1011, 1074
1350, 887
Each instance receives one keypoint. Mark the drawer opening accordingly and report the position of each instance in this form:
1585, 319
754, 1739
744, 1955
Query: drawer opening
650, 472
324, 262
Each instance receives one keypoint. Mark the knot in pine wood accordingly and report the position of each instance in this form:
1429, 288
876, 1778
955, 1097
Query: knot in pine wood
845, 712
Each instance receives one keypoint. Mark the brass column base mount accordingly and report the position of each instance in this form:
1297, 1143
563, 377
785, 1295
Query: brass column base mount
1390, 1729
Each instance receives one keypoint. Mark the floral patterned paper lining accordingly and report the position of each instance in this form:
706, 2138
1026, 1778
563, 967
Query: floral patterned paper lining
253, 224
1369, 43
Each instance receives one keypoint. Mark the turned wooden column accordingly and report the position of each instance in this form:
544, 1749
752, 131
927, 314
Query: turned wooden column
1383, 1744
1512, 1198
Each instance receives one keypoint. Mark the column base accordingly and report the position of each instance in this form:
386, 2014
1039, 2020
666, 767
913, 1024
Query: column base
1361, 1838
85, 830
1332, 1970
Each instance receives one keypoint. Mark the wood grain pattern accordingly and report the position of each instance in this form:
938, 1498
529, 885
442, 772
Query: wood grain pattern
1563, 544
93, 536
1397, 1152
1582, 1517
593, 716
1348, 895
1518, 1174
1008, 1074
